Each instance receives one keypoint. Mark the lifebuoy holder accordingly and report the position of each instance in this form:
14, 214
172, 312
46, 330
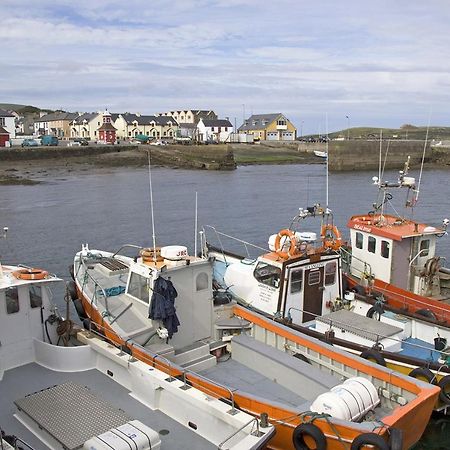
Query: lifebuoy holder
333, 242
30, 274
279, 246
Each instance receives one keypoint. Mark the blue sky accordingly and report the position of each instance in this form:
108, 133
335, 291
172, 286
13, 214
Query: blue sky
382, 63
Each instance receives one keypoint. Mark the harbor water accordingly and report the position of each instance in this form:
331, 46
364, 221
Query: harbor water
107, 208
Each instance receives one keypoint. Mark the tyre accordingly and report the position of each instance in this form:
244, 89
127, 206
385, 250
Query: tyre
306, 433
373, 355
444, 384
72, 289
422, 373
375, 440
77, 303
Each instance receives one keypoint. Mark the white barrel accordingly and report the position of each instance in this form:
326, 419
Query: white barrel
349, 401
133, 434
174, 252
305, 236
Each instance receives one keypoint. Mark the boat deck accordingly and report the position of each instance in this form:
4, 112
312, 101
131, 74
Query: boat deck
102, 394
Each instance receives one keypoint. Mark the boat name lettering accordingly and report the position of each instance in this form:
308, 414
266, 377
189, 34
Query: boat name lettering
362, 228
314, 266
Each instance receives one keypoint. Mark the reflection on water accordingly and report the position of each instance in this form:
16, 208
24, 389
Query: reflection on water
49, 222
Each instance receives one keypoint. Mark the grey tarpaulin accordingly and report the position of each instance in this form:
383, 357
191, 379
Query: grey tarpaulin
162, 305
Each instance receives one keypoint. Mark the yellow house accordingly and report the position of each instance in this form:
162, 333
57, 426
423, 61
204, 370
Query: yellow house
269, 127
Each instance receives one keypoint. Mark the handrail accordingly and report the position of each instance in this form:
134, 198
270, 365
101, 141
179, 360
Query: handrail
126, 246
255, 419
366, 264
16, 440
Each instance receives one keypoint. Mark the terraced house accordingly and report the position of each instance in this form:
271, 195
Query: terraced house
55, 124
269, 127
86, 125
158, 127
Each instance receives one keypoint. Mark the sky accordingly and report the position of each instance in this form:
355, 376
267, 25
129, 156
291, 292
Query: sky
325, 64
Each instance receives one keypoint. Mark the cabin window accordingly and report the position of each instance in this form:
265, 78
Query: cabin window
201, 282
35, 296
330, 273
359, 240
137, 287
12, 300
424, 247
296, 280
314, 277
371, 244
385, 249
267, 274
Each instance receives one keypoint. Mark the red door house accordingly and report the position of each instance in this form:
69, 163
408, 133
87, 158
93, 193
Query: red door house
107, 131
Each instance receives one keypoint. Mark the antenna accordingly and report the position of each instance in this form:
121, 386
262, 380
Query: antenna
326, 131
151, 204
195, 226
423, 158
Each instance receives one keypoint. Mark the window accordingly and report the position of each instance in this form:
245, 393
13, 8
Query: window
425, 246
35, 296
330, 273
225, 129
267, 274
138, 287
2, 121
201, 282
129, 133
385, 249
296, 280
12, 300
371, 244
98, 123
314, 277
281, 122
359, 240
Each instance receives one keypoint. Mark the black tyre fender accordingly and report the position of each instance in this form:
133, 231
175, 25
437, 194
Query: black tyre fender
374, 310
374, 355
313, 432
72, 289
395, 439
422, 373
375, 440
78, 304
72, 273
444, 384
426, 313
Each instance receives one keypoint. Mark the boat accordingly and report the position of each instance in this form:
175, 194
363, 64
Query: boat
321, 154
63, 387
158, 305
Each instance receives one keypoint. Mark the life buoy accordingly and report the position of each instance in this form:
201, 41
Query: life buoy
151, 254
311, 432
422, 373
366, 439
334, 242
279, 246
30, 274
444, 384
373, 355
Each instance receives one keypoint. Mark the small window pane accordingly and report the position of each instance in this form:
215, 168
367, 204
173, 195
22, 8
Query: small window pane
267, 274
425, 246
371, 244
35, 296
296, 280
330, 273
12, 300
138, 287
201, 281
314, 278
359, 240
385, 249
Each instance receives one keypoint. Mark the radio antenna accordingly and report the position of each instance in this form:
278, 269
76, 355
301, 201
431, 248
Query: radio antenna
151, 204
195, 226
423, 159
326, 131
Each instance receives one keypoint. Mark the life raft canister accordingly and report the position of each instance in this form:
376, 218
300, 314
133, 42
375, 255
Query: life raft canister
279, 246
333, 242
30, 274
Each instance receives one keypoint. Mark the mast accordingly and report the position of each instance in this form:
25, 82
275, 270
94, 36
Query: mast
151, 205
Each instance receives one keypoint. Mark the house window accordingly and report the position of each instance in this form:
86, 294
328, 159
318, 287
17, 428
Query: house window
164, 133
281, 122
314, 277
218, 129
188, 117
359, 240
12, 300
371, 244
424, 247
225, 129
267, 274
201, 282
137, 287
129, 133
98, 123
296, 280
35, 296
148, 133
385, 248
330, 273
154, 133
171, 134
2, 121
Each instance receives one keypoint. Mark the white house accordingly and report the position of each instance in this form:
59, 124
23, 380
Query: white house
7, 121
216, 130
157, 127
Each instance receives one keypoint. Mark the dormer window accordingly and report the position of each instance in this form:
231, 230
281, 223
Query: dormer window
281, 122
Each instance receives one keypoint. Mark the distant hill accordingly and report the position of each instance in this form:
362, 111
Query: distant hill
22, 109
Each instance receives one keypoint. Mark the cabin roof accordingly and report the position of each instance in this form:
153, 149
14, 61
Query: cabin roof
391, 227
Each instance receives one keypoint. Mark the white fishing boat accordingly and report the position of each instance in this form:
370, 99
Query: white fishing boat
62, 387
158, 305
321, 154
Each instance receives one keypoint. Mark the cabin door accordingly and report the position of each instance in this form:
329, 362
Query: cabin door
313, 293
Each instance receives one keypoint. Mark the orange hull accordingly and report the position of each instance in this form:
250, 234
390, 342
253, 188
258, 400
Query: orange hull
411, 419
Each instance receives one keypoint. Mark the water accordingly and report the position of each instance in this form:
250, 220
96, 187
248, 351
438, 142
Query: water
107, 208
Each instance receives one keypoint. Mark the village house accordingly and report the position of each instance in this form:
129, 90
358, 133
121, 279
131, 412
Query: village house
86, 125
157, 127
55, 124
189, 115
7, 122
217, 130
107, 131
270, 127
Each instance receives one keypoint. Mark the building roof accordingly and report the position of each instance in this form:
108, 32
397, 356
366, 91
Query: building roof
57, 116
107, 126
85, 117
146, 120
4, 113
3, 131
259, 121
216, 123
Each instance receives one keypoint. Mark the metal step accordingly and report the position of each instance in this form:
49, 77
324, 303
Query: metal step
202, 363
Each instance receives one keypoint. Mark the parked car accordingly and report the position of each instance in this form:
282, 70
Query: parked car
158, 142
30, 143
49, 140
81, 141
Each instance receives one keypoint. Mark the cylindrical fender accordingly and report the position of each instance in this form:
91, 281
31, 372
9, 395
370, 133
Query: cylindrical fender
312, 432
373, 355
422, 373
444, 384
366, 439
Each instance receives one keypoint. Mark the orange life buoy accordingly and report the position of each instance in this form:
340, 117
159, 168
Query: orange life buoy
151, 254
334, 242
278, 246
30, 274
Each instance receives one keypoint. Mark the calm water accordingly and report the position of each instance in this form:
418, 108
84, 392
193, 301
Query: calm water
48, 222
